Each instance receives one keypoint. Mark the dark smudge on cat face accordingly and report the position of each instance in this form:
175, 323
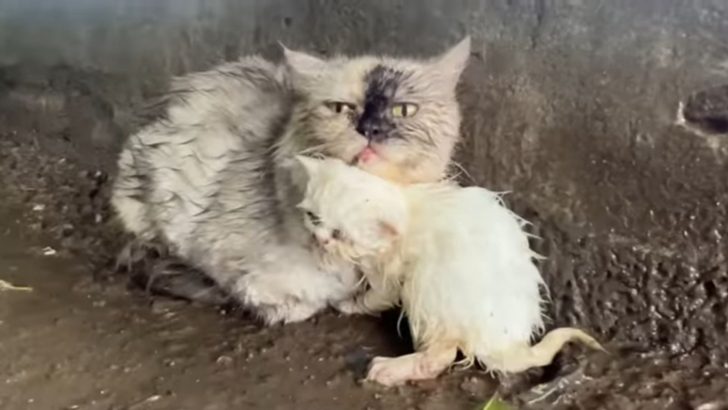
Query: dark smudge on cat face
376, 122
395, 118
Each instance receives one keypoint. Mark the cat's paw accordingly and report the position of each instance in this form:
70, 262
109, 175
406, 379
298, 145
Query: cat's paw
299, 312
284, 314
272, 303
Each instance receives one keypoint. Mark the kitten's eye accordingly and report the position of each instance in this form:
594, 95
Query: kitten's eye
340, 107
336, 234
401, 110
313, 217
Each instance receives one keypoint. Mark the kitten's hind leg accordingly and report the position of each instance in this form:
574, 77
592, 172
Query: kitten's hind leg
424, 365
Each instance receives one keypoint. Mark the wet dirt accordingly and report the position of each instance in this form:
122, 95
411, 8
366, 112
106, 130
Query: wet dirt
82, 339
642, 268
76, 343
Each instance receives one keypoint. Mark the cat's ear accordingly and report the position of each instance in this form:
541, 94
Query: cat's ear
452, 62
302, 65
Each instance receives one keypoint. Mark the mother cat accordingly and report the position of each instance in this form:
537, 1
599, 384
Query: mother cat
211, 181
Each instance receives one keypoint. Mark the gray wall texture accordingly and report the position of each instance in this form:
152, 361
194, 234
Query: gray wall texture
570, 104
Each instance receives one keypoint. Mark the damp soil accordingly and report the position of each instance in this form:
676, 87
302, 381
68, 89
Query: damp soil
73, 342
84, 339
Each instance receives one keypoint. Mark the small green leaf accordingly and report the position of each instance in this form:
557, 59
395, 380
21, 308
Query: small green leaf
496, 404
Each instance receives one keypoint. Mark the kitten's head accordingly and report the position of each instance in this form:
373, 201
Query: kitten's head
396, 118
349, 212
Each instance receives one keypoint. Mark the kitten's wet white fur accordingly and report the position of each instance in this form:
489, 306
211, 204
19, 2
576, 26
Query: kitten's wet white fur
353, 218
456, 258
211, 179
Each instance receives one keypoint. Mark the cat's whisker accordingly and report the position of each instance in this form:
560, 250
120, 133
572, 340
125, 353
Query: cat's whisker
464, 171
315, 148
323, 147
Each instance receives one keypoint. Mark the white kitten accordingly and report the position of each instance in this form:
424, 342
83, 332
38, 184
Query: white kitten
456, 258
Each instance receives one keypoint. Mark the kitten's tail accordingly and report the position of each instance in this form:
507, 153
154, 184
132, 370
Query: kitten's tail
523, 357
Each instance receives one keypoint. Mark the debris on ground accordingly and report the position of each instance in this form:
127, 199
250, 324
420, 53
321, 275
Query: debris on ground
496, 404
9, 286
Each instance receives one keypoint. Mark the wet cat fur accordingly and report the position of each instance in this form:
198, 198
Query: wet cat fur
211, 182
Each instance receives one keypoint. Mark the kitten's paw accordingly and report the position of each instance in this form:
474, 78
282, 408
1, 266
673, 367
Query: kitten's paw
394, 371
388, 371
351, 307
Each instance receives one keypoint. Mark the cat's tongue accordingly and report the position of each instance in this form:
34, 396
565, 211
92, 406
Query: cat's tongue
367, 155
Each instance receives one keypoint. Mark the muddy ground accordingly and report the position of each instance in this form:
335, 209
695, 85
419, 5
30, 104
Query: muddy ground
72, 343
83, 339
572, 106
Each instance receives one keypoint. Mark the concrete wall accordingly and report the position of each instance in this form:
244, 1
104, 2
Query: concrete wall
571, 104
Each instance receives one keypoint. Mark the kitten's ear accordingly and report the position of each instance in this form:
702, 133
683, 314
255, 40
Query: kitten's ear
388, 229
452, 63
308, 164
302, 64
299, 169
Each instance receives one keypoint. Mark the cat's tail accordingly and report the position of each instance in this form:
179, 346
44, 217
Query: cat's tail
151, 267
523, 357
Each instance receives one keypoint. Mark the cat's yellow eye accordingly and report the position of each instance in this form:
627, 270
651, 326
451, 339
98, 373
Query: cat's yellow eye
402, 110
340, 107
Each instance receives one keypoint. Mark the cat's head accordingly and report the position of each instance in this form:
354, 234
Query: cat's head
397, 118
350, 213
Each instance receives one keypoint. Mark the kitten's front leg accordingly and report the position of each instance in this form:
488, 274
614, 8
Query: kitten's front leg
372, 301
424, 365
